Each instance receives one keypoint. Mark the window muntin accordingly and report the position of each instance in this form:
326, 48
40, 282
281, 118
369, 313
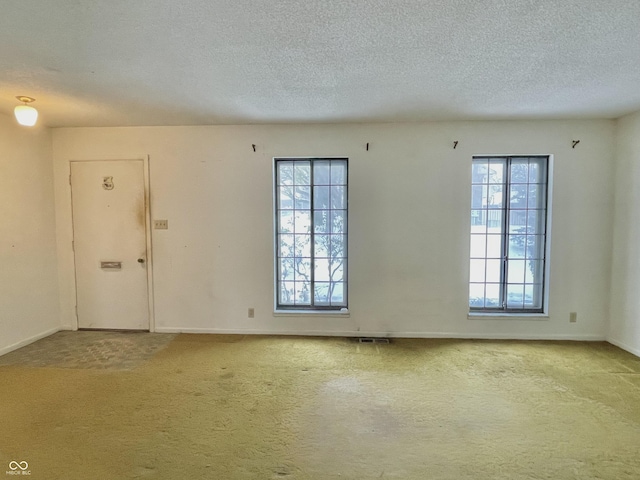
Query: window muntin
311, 233
508, 234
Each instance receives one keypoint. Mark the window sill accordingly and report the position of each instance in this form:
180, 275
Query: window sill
312, 313
507, 316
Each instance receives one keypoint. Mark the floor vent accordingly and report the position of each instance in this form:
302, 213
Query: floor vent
373, 340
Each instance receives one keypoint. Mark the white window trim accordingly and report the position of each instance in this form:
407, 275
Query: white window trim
312, 313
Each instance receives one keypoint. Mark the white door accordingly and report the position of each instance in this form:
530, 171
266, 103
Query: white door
110, 247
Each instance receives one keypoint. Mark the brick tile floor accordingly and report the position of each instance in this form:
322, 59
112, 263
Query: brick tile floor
90, 350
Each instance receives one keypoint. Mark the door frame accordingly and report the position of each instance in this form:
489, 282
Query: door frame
147, 228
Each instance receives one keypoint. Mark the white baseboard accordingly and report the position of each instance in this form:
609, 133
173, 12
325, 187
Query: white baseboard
29, 340
624, 346
351, 333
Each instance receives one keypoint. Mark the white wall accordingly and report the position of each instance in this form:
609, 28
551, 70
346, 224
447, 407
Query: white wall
409, 223
29, 303
624, 326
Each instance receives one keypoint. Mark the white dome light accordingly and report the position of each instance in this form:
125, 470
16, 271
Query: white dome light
25, 114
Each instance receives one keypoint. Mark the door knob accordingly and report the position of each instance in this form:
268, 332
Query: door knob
141, 260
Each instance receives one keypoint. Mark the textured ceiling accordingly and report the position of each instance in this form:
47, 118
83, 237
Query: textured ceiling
185, 62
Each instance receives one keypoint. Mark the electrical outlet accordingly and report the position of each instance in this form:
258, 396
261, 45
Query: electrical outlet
573, 317
251, 313
161, 224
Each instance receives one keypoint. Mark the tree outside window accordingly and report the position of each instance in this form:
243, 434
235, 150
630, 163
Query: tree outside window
311, 233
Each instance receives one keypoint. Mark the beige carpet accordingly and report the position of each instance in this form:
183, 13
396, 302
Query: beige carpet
232, 407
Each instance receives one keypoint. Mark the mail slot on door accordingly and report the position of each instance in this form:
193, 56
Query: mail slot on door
111, 265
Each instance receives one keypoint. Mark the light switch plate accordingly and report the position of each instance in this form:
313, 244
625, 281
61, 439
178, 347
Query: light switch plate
161, 224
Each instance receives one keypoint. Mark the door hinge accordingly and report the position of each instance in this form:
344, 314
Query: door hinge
69, 179
73, 245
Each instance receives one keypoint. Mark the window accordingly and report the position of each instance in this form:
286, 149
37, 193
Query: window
311, 233
508, 234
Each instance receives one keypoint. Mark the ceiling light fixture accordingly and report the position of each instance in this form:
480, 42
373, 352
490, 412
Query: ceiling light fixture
25, 114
